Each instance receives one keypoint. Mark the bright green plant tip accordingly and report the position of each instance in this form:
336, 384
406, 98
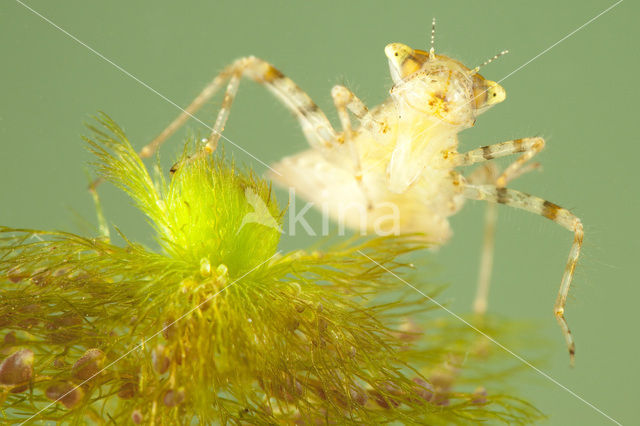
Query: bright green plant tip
199, 214
215, 326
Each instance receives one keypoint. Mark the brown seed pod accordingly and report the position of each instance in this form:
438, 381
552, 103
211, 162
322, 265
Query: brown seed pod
10, 338
173, 397
19, 389
293, 324
89, 364
127, 391
65, 393
15, 275
384, 400
160, 360
358, 395
136, 417
17, 368
169, 330
69, 320
423, 389
300, 307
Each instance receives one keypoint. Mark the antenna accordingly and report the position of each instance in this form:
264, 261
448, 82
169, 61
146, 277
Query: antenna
488, 61
433, 38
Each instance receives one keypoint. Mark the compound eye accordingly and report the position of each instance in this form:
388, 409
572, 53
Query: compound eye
402, 60
495, 93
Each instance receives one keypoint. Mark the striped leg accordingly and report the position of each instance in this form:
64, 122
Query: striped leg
315, 124
344, 99
488, 174
553, 212
528, 146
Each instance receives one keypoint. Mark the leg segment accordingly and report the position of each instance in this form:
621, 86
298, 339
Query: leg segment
315, 124
489, 175
211, 143
223, 114
528, 146
485, 175
358, 108
561, 216
343, 98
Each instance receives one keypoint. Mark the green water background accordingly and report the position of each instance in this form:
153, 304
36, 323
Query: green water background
581, 96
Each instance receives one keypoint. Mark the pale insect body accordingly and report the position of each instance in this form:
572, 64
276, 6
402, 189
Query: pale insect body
406, 147
401, 161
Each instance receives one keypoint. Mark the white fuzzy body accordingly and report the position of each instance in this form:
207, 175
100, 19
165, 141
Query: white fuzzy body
418, 179
407, 148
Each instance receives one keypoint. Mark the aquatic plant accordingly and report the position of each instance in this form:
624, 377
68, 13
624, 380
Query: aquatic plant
215, 325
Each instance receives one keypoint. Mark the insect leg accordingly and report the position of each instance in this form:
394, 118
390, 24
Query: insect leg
221, 120
343, 98
359, 110
485, 175
528, 146
561, 216
314, 123
488, 174
196, 104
